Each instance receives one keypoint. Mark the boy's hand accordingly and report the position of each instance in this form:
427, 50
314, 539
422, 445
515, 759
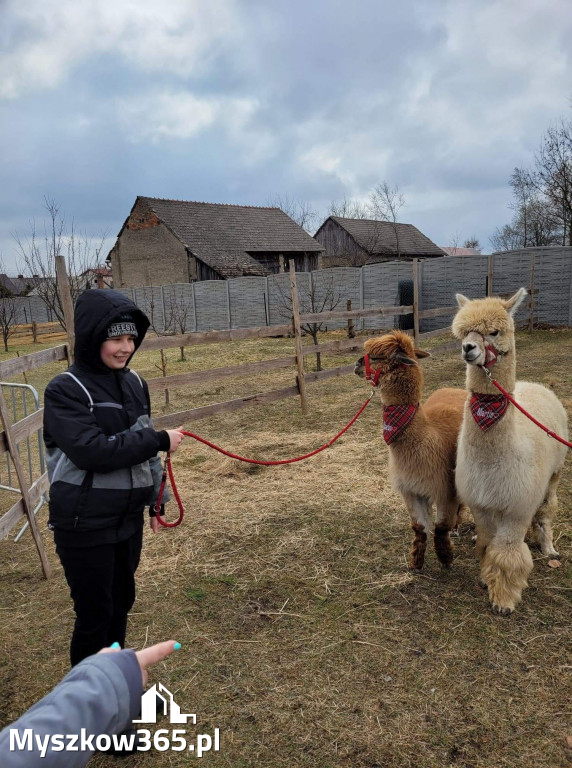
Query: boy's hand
155, 524
176, 437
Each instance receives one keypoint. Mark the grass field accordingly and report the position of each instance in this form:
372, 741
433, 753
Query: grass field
305, 638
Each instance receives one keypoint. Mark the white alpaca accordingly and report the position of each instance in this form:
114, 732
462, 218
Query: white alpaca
507, 467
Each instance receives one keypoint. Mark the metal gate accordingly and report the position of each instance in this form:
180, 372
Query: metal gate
22, 400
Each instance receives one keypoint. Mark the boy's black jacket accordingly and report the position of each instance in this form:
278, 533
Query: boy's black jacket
102, 460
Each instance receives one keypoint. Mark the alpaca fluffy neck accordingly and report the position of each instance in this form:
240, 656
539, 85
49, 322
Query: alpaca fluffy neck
402, 388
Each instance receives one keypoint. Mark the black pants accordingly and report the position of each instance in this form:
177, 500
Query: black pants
102, 587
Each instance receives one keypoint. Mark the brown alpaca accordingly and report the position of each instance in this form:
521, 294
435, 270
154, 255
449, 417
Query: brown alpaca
422, 456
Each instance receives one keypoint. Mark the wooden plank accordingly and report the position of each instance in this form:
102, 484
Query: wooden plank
23, 429
197, 377
11, 517
355, 313
426, 313
17, 365
214, 337
173, 420
22, 482
334, 347
298, 337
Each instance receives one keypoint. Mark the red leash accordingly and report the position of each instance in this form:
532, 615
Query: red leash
169, 469
522, 410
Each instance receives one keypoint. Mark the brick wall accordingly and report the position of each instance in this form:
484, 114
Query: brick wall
147, 253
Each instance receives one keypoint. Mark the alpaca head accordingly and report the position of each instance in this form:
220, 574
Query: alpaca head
486, 322
395, 357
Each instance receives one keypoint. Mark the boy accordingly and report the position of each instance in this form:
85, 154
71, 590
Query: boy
103, 467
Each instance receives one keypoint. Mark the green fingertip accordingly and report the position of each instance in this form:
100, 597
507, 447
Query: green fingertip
115, 645
177, 646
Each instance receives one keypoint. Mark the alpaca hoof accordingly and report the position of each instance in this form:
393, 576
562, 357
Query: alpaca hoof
415, 569
502, 610
446, 565
550, 552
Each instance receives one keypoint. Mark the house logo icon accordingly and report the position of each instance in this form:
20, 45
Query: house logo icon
150, 701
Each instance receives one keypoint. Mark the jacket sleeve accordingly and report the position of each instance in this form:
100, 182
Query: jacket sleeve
72, 426
155, 462
100, 695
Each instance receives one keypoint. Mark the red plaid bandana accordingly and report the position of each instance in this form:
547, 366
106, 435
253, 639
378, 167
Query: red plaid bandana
488, 409
396, 419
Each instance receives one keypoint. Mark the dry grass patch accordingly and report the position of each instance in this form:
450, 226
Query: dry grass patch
305, 638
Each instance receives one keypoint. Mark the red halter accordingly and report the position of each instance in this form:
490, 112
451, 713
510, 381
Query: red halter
373, 379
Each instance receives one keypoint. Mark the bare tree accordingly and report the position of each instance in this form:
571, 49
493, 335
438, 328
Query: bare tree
179, 318
505, 238
385, 204
454, 243
299, 210
349, 209
553, 174
8, 311
38, 253
316, 298
472, 242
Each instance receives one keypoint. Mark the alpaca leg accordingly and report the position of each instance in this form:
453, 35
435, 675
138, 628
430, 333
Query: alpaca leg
419, 509
541, 527
445, 522
505, 567
482, 539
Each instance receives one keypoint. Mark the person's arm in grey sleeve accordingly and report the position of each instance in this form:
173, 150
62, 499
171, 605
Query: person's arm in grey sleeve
100, 695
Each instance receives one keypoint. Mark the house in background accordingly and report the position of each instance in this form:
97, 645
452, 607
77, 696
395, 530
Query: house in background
178, 241
98, 277
20, 286
356, 242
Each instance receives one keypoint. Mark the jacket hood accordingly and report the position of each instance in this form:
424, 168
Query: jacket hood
95, 310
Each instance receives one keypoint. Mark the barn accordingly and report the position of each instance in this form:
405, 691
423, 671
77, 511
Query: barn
356, 242
179, 241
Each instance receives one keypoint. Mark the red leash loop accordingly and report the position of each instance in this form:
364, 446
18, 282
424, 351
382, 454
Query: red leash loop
169, 469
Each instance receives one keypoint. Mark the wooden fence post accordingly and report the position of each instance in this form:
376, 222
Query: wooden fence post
351, 331
34, 332
490, 277
22, 482
416, 302
64, 292
298, 338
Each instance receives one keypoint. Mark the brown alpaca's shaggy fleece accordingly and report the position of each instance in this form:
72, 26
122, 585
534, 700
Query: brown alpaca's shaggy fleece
422, 458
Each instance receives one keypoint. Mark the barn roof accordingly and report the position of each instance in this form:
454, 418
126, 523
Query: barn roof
224, 236
378, 237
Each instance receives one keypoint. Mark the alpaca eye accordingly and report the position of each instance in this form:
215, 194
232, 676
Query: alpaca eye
494, 333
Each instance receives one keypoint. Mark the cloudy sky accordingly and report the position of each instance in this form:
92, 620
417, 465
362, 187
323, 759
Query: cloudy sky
237, 101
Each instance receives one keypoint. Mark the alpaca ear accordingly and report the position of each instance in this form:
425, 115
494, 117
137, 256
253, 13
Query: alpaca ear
461, 300
420, 354
512, 304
